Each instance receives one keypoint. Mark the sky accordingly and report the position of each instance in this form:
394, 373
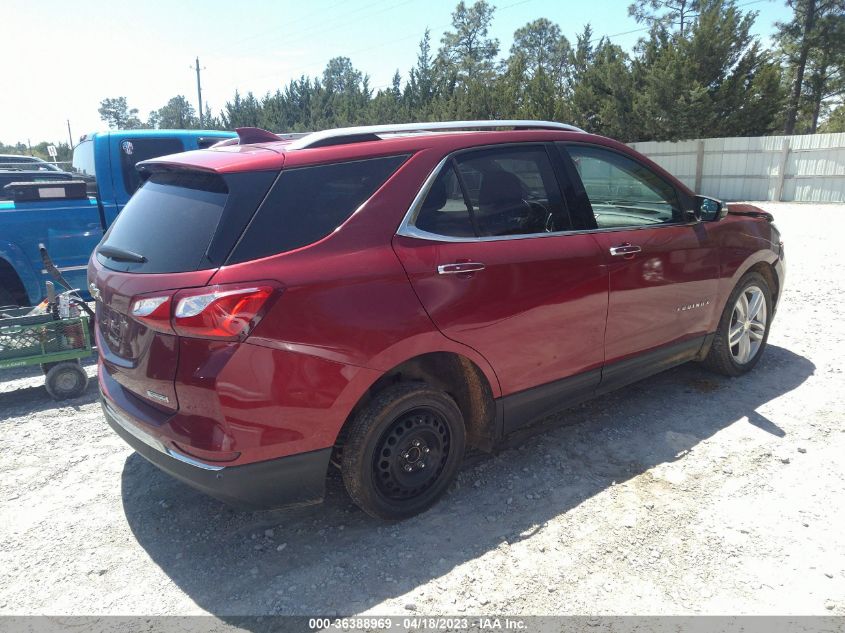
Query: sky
71, 55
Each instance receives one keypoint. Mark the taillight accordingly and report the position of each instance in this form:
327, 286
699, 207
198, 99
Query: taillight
219, 312
154, 312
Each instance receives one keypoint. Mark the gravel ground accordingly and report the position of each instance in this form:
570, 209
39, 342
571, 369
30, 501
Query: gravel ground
686, 494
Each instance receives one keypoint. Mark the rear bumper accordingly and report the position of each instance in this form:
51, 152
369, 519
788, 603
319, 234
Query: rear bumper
294, 480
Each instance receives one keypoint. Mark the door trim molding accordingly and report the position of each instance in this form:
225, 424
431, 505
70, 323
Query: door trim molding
522, 408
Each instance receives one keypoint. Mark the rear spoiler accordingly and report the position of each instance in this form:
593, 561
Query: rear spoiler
249, 135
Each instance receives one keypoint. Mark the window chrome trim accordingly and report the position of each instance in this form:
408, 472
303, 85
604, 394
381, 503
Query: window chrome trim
408, 229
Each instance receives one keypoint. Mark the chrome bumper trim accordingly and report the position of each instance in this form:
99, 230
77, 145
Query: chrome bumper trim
191, 461
151, 441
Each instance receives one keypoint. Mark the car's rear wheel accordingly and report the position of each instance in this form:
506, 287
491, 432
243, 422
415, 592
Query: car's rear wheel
743, 328
403, 450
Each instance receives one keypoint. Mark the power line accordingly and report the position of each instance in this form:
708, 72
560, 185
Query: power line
333, 24
292, 71
646, 28
269, 31
321, 29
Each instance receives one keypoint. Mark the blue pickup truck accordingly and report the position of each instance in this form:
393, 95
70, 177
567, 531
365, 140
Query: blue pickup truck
70, 219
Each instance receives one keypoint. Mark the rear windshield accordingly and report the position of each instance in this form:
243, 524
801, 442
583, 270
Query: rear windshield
308, 203
169, 222
179, 221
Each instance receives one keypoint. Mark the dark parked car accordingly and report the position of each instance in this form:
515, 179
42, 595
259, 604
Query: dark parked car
30, 163
379, 299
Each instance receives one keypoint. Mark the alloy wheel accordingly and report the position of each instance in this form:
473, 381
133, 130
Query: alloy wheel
748, 325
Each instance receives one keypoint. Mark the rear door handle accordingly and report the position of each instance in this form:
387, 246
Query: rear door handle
463, 267
625, 249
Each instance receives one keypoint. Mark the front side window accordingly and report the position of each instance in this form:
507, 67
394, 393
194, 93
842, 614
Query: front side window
134, 150
622, 192
495, 192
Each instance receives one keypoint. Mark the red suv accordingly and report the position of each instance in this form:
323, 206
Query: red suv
378, 299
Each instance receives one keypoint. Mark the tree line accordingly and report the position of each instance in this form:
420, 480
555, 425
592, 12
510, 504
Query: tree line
64, 152
697, 72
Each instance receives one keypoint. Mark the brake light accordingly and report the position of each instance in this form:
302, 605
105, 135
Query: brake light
220, 312
154, 312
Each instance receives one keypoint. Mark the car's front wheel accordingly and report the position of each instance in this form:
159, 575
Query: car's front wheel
403, 450
743, 328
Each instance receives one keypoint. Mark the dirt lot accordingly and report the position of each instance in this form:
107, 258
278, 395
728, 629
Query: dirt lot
689, 493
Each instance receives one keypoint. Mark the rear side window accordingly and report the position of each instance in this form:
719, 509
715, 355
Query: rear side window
169, 222
444, 210
134, 150
308, 203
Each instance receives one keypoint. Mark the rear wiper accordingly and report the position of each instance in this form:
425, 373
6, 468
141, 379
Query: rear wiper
120, 254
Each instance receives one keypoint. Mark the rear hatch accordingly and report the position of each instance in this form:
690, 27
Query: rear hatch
174, 233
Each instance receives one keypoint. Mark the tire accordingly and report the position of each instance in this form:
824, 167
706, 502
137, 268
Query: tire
66, 380
735, 360
7, 298
402, 431
46, 367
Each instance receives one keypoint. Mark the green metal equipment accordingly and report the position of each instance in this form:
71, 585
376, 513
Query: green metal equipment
43, 338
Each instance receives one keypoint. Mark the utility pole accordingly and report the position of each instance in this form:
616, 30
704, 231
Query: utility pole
29, 145
199, 90
69, 134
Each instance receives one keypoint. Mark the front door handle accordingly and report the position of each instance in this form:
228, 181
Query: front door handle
463, 267
625, 249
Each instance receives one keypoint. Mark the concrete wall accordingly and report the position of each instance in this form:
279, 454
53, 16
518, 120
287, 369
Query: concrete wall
801, 168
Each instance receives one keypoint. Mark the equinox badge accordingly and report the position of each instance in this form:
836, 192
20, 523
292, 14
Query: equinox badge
693, 306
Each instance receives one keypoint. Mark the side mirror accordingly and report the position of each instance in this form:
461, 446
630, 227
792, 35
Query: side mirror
709, 209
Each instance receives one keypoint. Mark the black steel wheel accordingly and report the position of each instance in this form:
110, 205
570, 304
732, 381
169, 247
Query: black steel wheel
403, 450
411, 453
66, 380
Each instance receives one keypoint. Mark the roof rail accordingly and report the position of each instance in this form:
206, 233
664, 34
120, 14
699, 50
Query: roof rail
339, 136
